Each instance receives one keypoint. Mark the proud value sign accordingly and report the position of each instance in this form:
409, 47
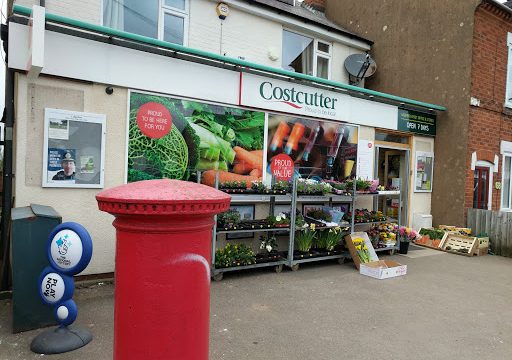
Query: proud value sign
282, 167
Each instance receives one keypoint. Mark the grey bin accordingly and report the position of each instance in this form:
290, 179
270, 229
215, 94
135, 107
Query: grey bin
31, 227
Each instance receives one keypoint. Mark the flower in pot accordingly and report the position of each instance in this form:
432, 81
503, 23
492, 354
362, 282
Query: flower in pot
268, 243
374, 235
228, 219
304, 237
406, 235
363, 185
281, 220
329, 239
281, 186
259, 187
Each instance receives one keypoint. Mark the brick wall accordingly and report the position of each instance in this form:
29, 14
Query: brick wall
317, 4
489, 122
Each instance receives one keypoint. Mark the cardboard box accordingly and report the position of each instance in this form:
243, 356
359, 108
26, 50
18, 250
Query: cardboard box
383, 269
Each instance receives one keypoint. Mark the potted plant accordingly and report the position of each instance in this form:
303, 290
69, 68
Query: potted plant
328, 239
374, 235
405, 235
234, 255
304, 238
281, 187
269, 246
228, 219
259, 187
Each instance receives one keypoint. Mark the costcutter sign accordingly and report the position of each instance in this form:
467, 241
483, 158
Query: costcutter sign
267, 93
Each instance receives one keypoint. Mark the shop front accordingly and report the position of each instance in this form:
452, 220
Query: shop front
126, 112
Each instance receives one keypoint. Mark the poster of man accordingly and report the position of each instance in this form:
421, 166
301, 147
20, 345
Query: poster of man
61, 165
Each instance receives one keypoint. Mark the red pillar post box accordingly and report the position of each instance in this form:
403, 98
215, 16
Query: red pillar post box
162, 278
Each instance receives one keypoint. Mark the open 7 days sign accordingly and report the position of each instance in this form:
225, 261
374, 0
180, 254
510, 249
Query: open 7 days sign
278, 95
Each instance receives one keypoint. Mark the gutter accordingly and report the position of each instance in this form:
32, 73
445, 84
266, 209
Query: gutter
242, 65
499, 5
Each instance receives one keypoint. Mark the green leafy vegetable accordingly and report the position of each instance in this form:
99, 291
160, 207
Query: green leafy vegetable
164, 157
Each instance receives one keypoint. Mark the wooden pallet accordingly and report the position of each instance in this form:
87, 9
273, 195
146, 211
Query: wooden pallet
454, 243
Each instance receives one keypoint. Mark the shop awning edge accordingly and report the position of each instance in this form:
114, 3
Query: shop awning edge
22, 10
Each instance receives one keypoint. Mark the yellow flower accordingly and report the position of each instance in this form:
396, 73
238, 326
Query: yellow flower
358, 247
365, 248
312, 226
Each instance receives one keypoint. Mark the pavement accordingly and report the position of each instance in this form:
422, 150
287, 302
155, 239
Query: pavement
446, 307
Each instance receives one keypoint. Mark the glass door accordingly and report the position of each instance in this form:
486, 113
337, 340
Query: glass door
392, 170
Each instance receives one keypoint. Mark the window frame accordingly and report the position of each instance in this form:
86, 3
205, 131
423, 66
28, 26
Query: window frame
508, 79
503, 157
506, 151
163, 9
316, 53
184, 14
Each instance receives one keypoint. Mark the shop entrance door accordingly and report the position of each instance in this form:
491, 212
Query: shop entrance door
392, 170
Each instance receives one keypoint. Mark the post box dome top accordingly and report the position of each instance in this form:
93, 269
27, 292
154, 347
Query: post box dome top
163, 197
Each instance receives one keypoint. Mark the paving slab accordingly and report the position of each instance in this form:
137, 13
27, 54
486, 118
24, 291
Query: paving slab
446, 307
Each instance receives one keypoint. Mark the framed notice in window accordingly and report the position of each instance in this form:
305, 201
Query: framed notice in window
423, 171
73, 154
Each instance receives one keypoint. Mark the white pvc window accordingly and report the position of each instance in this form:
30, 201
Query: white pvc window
160, 19
506, 175
508, 93
306, 55
506, 199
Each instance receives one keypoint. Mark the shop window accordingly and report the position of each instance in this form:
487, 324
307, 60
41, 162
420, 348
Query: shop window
306, 55
389, 137
508, 94
160, 19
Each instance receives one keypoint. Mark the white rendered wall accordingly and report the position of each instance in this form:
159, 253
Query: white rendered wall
73, 204
87, 11
244, 35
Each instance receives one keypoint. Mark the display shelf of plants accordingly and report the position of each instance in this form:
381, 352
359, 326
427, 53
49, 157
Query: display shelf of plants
230, 222
316, 235
320, 236
239, 256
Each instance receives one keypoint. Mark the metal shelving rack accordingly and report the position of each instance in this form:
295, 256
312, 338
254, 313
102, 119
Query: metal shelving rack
218, 273
293, 199
295, 263
386, 194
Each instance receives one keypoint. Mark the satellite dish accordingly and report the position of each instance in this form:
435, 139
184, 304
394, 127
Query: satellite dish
360, 66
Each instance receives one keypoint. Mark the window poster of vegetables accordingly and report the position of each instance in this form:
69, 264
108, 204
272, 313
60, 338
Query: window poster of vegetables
73, 149
174, 138
321, 149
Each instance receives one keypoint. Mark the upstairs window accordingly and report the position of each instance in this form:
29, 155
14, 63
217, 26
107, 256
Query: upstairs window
508, 93
159, 19
306, 55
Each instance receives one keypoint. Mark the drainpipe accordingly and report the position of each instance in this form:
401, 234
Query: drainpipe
7, 203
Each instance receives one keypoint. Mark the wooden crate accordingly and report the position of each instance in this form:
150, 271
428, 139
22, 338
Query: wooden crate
482, 246
456, 242
429, 242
